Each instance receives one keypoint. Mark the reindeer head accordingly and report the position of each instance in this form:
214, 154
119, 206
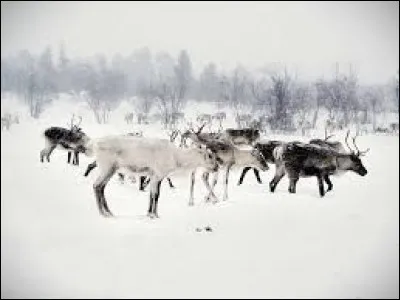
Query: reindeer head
260, 158
356, 164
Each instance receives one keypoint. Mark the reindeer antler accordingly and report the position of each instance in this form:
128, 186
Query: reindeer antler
72, 121
201, 128
80, 121
358, 153
347, 144
329, 136
173, 135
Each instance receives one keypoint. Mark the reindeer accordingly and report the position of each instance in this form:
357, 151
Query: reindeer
229, 156
304, 160
332, 125
219, 116
156, 158
382, 130
6, 121
71, 140
188, 134
394, 128
144, 180
204, 118
305, 126
243, 120
129, 118
244, 136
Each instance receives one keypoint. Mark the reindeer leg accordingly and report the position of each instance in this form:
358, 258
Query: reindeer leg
42, 154
144, 182
69, 157
192, 179
155, 190
245, 170
292, 184
210, 190
99, 187
151, 204
279, 173
257, 174
225, 197
170, 183
49, 152
321, 185
76, 154
328, 182
90, 167
214, 182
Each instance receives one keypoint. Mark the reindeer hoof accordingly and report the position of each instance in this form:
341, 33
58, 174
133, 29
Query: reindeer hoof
151, 215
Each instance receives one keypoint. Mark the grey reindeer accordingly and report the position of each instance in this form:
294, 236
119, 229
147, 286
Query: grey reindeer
298, 159
228, 155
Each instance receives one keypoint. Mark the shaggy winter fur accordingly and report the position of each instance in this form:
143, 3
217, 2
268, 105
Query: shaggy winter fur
156, 158
304, 160
229, 155
71, 140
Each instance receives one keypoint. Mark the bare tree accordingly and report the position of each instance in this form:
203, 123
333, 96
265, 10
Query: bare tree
373, 96
233, 91
280, 91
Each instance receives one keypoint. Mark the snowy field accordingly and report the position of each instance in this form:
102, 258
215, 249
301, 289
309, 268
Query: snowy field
54, 243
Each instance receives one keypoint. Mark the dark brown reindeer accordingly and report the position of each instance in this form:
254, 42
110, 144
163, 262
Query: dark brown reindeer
336, 146
305, 160
75, 153
72, 140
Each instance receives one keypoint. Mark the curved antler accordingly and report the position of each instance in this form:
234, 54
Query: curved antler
347, 144
72, 121
80, 121
359, 153
201, 128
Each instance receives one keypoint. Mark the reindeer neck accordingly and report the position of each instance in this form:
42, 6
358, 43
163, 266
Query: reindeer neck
343, 162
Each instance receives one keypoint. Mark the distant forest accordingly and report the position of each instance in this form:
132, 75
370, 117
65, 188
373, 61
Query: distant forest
158, 79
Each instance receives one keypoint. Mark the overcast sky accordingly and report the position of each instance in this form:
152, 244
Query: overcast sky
311, 35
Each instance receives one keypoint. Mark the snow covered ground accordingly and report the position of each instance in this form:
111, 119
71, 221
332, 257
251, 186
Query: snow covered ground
54, 243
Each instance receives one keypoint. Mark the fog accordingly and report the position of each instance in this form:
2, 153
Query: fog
311, 37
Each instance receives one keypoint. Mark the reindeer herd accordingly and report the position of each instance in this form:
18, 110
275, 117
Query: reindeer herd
155, 159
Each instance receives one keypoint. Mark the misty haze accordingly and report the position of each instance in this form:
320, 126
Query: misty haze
200, 149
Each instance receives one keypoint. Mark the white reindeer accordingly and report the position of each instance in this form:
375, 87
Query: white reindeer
156, 158
229, 156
